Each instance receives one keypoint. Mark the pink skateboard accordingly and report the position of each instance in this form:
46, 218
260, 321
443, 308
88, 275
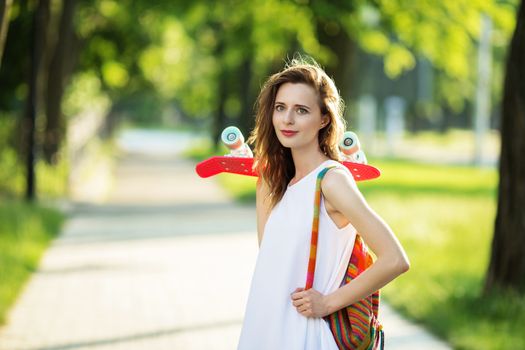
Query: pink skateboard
243, 166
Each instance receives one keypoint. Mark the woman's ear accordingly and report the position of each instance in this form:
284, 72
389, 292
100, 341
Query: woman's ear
325, 120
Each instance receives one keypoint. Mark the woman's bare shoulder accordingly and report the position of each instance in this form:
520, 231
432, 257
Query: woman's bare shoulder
337, 177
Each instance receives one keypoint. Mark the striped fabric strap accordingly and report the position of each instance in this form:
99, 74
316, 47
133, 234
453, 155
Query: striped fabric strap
315, 229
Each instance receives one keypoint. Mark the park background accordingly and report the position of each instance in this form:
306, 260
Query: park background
423, 84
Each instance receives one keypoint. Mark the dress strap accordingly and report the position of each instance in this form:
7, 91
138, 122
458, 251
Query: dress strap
315, 228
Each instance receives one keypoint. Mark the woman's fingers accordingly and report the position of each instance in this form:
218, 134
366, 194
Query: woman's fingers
305, 311
300, 293
302, 301
308, 302
297, 293
298, 303
302, 305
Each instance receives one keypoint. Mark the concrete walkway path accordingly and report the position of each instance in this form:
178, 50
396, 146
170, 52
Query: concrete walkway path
165, 263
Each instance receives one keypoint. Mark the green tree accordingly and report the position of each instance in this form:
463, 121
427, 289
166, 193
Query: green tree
445, 33
37, 54
507, 262
59, 71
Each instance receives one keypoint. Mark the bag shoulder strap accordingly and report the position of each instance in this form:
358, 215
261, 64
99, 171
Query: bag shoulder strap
315, 229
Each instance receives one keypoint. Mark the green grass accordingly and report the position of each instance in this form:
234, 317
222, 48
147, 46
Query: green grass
444, 218
445, 223
25, 232
203, 149
51, 181
25, 229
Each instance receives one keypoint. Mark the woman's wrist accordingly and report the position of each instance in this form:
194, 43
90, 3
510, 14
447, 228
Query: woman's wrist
331, 303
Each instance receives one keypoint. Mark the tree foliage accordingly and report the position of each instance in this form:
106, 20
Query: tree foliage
206, 60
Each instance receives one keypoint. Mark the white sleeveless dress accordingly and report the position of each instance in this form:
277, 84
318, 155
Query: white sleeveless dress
271, 321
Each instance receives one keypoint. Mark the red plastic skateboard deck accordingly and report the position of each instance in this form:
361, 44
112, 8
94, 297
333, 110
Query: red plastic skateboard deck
243, 166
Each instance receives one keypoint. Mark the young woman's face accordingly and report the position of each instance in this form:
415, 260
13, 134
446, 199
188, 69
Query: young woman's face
296, 116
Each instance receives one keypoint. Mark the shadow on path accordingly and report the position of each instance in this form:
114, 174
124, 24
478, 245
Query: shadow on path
120, 222
93, 344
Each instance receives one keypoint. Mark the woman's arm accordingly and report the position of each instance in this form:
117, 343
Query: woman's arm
341, 191
262, 204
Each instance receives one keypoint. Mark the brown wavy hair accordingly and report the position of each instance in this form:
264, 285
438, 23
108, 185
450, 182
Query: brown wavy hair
274, 162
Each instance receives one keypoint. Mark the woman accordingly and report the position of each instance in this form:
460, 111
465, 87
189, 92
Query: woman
298, 126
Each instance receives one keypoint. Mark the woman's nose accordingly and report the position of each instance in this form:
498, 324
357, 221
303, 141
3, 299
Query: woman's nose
288, 117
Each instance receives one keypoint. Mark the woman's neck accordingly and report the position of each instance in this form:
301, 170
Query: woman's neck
305, 162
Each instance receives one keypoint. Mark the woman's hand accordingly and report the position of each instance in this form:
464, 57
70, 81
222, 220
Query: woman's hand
310, 303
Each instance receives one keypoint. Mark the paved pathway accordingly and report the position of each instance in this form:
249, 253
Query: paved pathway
165, 263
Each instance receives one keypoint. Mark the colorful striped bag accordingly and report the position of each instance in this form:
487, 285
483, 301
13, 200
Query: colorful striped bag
355, 327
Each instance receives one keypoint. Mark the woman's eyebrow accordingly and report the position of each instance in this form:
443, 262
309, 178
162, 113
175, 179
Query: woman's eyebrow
296, 105
303, 106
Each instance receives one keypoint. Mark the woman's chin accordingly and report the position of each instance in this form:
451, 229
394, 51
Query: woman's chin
290, 142
286, 143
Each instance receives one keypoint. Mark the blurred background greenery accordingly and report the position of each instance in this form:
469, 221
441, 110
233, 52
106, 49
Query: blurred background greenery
422, 82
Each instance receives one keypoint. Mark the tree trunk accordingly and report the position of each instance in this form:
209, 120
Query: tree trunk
507, 264
220, 113
5, 11
38, 44
60, 69
219, 116
340, 43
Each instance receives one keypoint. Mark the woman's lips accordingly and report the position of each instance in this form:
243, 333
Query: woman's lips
288, 133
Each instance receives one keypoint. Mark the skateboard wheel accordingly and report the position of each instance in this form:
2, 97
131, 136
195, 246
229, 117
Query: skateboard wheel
349, 143
232, 137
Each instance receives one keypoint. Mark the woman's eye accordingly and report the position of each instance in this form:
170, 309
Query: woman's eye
302, 110
279, 108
